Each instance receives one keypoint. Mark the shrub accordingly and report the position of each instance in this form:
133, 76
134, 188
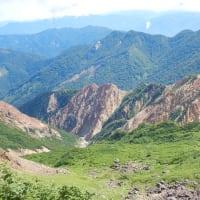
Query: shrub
13, 187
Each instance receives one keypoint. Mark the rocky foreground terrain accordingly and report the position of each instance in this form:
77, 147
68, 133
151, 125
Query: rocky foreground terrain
165, 191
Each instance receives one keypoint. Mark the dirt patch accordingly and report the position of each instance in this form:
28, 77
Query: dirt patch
20, 164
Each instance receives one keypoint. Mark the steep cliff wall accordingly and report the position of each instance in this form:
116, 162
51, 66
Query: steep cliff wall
86, 112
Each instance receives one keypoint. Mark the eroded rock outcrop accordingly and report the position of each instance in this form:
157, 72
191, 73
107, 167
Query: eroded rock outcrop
34, 127
53, 103
15, 162
86, 112
179, 102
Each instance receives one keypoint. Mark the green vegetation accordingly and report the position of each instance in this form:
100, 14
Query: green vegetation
164, 151
13, 187
165, 132
15, 69
14, 138
126, 59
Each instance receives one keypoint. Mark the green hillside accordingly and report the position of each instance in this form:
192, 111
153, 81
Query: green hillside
48, 78
16, 68
14, 187
163, 151
14, 138
127, 59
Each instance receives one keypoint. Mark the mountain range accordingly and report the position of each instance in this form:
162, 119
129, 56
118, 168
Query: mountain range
132, 99
167, 23
126, 59
22, 56
52, 41
100, 111
104, 109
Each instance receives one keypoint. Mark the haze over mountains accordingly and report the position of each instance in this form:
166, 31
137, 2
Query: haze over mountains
53, 41
125, 58
166, 23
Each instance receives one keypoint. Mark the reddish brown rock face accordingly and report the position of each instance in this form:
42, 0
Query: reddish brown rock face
85, 114
32, 126
179, 102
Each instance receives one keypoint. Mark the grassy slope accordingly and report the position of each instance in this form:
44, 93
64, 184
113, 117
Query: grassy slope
14, 138
165, 147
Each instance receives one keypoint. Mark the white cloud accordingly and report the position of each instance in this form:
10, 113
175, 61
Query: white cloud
36, 9
148, 24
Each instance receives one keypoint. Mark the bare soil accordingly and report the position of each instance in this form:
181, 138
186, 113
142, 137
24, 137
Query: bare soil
15, 162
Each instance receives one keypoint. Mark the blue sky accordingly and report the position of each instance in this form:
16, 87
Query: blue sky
21, 10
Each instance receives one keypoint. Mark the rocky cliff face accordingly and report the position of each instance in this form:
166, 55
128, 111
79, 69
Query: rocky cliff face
32, 126
179, 102
86, 112
53, 103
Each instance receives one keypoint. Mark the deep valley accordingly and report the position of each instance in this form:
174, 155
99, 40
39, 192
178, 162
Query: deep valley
94, 113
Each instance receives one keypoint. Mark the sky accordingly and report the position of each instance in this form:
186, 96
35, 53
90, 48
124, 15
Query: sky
23, 10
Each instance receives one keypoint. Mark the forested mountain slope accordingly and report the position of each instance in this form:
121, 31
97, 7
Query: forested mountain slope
127, 59
16, 68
